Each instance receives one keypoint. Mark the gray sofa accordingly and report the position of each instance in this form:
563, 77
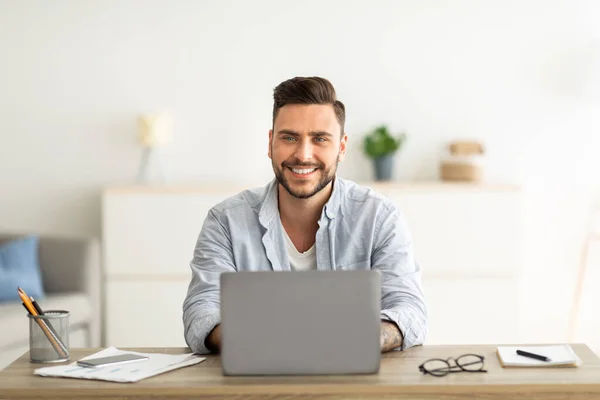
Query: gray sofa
71, 276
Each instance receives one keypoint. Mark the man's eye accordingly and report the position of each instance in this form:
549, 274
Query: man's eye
289, 138
320, 139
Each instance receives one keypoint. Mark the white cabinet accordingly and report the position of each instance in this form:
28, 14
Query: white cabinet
462, 231
467, 239
145, 312
153, 233
472, 310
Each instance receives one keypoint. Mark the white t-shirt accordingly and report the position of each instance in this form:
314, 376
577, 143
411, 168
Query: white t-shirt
301, 261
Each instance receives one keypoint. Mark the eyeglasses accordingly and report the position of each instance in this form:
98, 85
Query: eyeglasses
464, 363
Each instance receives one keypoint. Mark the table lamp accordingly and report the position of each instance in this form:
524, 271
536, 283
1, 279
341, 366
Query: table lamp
154, 131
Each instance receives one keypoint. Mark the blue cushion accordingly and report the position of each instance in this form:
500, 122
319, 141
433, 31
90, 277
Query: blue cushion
19, 267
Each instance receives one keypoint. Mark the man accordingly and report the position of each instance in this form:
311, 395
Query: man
307, 219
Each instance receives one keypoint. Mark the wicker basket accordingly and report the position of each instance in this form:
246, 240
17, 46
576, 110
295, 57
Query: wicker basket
453, 171
463, 162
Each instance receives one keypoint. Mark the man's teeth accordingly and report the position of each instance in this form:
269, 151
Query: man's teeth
303, 171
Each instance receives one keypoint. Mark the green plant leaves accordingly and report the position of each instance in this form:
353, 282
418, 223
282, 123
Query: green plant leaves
379, 142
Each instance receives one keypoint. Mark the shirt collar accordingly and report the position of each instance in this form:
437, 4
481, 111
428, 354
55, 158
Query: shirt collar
333, 204
270, 206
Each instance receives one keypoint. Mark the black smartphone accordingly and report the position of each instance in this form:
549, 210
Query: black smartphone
118, 359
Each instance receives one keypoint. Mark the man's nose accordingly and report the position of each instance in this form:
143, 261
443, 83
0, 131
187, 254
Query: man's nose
304, 151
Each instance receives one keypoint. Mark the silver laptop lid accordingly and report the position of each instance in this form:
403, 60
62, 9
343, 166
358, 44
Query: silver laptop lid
314, 322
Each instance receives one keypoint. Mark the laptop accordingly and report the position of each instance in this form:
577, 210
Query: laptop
300, 322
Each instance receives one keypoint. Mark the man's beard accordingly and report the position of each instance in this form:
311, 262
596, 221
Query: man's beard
326, 177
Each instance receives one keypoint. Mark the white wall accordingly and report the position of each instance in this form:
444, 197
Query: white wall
74, 75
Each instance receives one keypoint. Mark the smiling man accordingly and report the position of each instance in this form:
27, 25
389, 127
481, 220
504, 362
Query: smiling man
307, 218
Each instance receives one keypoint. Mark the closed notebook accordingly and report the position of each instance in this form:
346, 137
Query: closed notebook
560, 356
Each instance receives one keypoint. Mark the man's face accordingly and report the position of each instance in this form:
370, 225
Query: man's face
305, 147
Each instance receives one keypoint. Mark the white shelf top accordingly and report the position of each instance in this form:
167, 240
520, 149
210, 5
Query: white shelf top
400, 186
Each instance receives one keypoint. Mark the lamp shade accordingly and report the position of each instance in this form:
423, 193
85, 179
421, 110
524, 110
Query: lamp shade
155, 129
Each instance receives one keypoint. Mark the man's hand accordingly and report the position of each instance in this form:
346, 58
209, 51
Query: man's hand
213, 340
391, 337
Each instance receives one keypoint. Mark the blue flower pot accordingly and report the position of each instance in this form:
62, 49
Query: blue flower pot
384, 166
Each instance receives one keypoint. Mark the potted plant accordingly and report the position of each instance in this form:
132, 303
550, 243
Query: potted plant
380, 146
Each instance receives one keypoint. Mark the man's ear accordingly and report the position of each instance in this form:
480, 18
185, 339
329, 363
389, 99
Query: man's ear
343, 147
270, 140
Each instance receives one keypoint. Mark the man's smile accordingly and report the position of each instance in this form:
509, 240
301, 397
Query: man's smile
302, 172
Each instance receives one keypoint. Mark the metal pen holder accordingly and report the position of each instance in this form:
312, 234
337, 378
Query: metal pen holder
49, 337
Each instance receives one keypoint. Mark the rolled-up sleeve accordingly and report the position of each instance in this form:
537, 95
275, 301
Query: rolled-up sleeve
201, 308
402, 298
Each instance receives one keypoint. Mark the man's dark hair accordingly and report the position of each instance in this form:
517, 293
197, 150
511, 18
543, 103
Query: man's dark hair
308, 90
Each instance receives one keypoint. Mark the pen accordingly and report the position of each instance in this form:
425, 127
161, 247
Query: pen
531, 355
36, 306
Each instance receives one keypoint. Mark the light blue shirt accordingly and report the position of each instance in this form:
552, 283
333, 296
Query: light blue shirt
358, 229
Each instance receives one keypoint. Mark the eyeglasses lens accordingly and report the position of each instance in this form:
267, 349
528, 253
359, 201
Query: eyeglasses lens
437, 367
470, 362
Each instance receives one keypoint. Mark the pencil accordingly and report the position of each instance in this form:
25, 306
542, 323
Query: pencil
55, 342
54, 333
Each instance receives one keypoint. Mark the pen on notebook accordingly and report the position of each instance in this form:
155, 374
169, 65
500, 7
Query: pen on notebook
55, 341
531, 355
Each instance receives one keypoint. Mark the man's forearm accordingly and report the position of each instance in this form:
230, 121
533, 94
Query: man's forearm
391, 337
213, 340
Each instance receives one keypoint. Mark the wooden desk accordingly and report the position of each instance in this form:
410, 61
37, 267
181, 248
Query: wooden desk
399, 377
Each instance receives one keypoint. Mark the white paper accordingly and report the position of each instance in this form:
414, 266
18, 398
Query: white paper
131, 372
558, 355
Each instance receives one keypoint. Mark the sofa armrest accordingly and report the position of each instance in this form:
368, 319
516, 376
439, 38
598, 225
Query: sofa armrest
69, 264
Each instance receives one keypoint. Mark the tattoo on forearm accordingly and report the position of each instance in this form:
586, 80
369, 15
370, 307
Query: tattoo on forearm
391, 337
